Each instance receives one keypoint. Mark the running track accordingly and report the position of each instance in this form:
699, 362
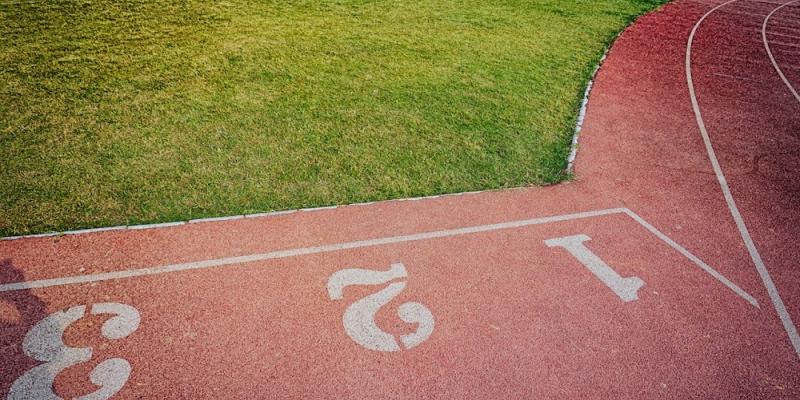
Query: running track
668, 268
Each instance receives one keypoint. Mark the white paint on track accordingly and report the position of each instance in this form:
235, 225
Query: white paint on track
686, 253
221, 262
769, 284
769, 51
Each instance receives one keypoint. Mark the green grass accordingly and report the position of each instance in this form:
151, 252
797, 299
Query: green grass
123, 112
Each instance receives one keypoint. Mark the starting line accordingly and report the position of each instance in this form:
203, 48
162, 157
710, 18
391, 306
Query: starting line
361, 320
226, 261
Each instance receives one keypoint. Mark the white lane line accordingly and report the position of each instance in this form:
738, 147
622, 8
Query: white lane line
686, 253
298, 252
780, 308
220, 262
769, 51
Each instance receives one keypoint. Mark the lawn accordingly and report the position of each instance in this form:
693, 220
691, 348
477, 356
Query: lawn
127, 112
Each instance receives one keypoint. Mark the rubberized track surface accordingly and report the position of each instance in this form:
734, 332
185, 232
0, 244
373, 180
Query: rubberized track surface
633, 281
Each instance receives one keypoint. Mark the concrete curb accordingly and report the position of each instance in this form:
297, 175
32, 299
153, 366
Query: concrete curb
232, 217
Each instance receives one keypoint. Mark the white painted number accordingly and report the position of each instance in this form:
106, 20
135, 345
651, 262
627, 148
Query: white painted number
44, 342
625, 288
359, 317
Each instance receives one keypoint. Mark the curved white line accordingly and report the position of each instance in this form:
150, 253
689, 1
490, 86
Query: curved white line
780, 308
769, 51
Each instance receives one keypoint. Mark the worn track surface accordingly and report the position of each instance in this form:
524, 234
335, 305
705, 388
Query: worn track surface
655, 296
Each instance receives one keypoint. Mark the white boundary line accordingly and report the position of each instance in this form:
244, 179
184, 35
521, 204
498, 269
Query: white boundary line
243, 216
777, 302
686, 253
769, 51
221, 262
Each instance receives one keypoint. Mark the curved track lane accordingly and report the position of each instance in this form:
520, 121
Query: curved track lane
782, 24
769, 284
632, 281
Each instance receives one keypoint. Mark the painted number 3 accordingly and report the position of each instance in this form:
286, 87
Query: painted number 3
44, 342
359, 317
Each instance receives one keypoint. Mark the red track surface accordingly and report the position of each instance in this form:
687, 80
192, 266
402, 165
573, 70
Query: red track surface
513, 318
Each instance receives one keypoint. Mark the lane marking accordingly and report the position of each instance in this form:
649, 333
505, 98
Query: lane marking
44, 342
625, 288
295, 252
359, 317
769, 51
221, 262
697, 261
777, 302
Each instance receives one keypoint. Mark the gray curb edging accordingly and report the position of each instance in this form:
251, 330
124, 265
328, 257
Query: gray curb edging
573, 151
229, 218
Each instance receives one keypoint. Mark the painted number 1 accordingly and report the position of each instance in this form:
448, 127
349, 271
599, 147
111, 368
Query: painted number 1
625, 288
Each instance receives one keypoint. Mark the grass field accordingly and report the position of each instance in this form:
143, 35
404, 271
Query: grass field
123, 112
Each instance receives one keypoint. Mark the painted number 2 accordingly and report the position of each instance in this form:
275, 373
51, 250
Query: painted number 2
44, 342
359, 317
